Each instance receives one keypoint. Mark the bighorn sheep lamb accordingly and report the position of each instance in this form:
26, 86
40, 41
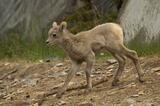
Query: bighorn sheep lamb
83, 46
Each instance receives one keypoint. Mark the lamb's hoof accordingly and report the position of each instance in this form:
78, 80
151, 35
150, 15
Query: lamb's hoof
141, 80
115, 83
88, 90
59, 94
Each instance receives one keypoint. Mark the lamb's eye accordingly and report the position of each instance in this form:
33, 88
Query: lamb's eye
54, 35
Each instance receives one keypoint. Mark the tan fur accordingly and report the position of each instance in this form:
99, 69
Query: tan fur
83, 46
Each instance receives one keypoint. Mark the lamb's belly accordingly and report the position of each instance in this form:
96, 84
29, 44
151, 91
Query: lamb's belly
96, 47
77, 56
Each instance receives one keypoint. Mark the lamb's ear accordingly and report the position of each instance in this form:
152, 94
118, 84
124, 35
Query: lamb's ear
63, 26
54, 24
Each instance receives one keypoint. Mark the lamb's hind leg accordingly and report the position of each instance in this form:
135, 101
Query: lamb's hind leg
134, 57
121, 60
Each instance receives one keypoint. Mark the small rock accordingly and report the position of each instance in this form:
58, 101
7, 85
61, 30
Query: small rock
109, 74
110, 70
147, 70
58, 74
10, 77
59, 65
92, 76
111, 92
67, 70
57, 86
62, 74
111, 61
131, 101
6, 64
27, 95
54, 69
98, 69
157, 73
85, 104
2, 94
136, 95
20, 90
24, 86
31, 82
156, 69
36, 104
41, 61
93, 70
36, 75
8, 97
97, 72
98, 78
14, 82
2, 103
141, 93
39, 96
93, 98
71, 83
153, 104
78, 74
128, 102
47, 60
102, 54
131, 85
61, 103
110, 67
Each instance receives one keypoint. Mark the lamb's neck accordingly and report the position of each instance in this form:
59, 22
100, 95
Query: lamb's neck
67, 43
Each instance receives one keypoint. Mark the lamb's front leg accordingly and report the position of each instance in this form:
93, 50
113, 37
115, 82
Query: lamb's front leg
90, 62
74, 69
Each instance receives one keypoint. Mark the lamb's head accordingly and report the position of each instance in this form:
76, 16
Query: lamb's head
56, 33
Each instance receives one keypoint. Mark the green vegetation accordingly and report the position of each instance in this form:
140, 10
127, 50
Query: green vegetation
86, 18
145, 48
16, 47
142, 48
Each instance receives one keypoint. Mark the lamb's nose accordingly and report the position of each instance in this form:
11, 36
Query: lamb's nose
47, 42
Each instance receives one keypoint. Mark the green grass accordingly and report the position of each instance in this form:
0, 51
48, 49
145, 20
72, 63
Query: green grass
85, 18
15, 47
142, 49
145, 48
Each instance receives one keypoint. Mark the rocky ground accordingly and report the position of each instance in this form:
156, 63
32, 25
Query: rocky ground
25, 83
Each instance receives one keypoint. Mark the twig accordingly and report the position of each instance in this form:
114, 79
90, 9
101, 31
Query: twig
6, 74
54, 91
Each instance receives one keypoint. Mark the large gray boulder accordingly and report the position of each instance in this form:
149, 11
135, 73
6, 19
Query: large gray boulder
30, 17
141, 20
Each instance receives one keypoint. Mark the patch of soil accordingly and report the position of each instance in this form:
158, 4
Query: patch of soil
26, 84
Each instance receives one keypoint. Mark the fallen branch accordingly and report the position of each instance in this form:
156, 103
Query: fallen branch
54, 90
6, 74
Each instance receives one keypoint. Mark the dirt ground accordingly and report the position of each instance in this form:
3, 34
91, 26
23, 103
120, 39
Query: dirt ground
25, 83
